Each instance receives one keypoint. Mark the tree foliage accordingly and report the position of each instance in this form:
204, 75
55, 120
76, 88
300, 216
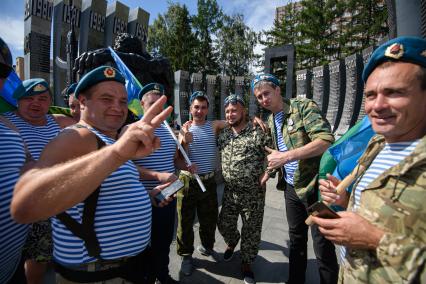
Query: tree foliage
235, 44
171, 36
325, 30
209, 42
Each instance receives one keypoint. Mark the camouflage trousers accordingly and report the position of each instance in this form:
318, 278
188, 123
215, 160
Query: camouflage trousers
191, 201
249, 203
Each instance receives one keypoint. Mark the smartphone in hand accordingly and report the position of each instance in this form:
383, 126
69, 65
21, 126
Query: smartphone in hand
319, 209
169, 190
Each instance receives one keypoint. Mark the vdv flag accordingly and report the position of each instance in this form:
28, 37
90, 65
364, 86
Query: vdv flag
347, 152
133, 86
7, 101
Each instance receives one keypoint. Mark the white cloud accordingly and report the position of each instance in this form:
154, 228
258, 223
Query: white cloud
12, 32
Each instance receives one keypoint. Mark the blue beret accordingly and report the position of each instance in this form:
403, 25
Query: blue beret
198, 94
98, 75
5, 59
71, 89
406, 49
264, 77
31, 87
233, 99
151, 87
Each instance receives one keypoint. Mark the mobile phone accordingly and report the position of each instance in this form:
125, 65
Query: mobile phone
169, 190
319, 209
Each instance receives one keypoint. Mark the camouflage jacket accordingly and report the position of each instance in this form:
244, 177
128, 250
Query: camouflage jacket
243, 156
394, 202
303, 123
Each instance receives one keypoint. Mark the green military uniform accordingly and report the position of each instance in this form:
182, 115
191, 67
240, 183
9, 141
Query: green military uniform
303, 123
394, 202
243, 162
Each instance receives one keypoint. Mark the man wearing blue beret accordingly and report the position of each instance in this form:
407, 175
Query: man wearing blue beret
301, 135
383, 228
73, 103
87, 181
159, 168
37, 128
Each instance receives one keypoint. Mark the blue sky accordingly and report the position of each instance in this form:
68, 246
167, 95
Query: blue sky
258, 14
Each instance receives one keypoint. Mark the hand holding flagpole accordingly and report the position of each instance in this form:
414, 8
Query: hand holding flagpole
197, 177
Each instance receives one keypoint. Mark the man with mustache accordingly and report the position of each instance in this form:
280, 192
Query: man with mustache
383, 228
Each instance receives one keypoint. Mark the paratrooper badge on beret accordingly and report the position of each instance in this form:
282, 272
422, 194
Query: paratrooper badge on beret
109, 72
395, 51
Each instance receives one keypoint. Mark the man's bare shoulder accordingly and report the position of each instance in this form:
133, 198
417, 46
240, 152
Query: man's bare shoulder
63, 120
69, 144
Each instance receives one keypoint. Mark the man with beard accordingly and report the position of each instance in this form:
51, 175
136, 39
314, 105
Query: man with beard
243, 155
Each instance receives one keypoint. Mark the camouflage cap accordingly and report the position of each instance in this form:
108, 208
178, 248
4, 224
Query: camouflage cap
5, 59
198, 94
31, 87
233, 99
264, 77
98, 75
406, 49
152, 87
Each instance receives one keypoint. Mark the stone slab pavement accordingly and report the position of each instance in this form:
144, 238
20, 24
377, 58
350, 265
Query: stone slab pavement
270, 266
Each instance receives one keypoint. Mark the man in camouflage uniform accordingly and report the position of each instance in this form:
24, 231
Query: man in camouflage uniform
243, 166
384, 227
300, 135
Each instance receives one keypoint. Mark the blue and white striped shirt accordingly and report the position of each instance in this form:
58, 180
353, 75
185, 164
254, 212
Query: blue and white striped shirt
12, 234
122, 219
162, 160
389, 156
36, 137
291, 167
202, 150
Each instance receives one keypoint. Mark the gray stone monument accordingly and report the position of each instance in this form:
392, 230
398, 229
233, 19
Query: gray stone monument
181, 97
336, 97
366, 54
211, 94
63, 15
320, 86
285, 54
138, 25
117, 17
38, 16
239, 85
224, 92
303, 84
197, 82
354, 93
92, 26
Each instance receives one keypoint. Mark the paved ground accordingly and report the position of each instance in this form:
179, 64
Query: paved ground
271, 265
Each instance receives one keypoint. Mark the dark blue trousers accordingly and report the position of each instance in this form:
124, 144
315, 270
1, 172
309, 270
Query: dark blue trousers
163, 224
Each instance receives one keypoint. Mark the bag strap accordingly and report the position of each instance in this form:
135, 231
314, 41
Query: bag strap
86, 230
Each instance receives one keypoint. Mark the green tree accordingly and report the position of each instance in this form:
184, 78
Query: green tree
367, 23
171, 36
207, 21
235, 44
